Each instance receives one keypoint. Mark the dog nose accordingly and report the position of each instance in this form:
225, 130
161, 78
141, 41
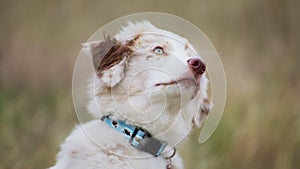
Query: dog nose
197, 66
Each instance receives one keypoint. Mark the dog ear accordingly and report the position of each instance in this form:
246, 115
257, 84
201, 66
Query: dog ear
205, 107
204, 102
109, 59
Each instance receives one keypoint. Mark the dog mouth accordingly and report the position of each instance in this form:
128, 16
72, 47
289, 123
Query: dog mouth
184, 82
191, 81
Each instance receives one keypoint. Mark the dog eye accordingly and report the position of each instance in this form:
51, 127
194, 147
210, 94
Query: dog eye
158, 50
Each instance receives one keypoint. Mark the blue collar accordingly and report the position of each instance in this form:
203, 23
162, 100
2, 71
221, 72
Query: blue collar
138, 137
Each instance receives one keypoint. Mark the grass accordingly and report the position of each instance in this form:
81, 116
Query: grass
32, 125
263, 134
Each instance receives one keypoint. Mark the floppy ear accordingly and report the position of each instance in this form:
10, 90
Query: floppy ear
205, 107
109, 59
205, 103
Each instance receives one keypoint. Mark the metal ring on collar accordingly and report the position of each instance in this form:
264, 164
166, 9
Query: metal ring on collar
171, 156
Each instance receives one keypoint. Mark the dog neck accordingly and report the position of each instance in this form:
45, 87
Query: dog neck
138, 137
169, 122
170, 126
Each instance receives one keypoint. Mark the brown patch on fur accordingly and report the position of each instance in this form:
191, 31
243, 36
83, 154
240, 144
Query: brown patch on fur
133, 41
206, 109
110, 52
99, 50
105, 91
186, 46
73, 154
148, 57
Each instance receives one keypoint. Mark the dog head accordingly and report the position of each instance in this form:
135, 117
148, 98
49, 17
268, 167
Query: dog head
144, 70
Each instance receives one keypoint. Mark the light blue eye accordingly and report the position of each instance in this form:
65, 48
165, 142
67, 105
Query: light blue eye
158, 50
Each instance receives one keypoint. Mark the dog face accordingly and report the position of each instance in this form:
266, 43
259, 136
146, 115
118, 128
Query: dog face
147, 70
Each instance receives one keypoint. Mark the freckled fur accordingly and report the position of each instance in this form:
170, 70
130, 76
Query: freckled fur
126, 87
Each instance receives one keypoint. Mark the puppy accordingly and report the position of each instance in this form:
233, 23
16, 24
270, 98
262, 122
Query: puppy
149, 89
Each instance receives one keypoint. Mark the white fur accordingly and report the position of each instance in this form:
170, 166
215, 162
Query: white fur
167, 111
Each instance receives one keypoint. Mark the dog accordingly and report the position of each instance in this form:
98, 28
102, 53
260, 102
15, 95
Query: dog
149, 89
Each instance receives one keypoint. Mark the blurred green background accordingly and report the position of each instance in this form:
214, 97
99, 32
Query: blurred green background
259, 44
